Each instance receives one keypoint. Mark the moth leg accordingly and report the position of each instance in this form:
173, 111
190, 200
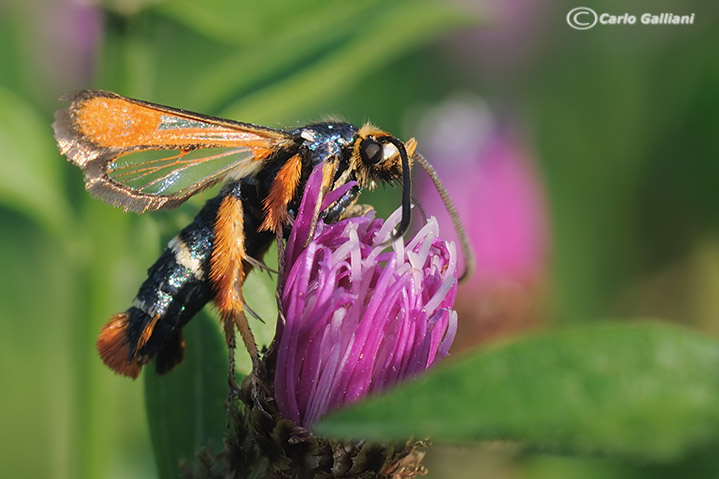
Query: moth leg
328, 173
227, 274
259, 264
283, 190
280, 263
234, 388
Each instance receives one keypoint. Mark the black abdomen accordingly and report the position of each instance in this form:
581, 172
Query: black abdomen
177, 285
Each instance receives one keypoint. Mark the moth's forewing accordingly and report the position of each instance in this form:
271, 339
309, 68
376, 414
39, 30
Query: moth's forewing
142, 156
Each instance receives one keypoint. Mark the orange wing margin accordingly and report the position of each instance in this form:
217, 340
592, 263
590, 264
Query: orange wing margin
119, 143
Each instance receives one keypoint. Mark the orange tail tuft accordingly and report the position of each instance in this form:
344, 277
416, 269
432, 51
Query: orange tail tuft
114, 349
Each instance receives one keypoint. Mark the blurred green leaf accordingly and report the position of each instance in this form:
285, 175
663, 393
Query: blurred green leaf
387, 33
645, 391
30, 174
36, 294
238, 72
249, 22
186, 408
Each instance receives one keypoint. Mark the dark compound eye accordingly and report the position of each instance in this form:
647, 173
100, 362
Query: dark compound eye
371, 151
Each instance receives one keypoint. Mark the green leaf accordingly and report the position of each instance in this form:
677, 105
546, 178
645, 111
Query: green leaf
30, 171
647, 391
186, 408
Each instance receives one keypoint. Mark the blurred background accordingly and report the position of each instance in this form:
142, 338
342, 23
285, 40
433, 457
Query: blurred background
584, 165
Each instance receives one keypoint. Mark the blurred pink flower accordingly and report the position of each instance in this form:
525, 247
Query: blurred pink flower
69, 34
358, 317
490, 175
511, 34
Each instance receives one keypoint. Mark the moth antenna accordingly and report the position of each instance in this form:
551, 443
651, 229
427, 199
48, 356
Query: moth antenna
406, 188
469, 263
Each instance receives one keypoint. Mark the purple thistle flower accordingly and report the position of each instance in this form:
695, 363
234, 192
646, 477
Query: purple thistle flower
359, 317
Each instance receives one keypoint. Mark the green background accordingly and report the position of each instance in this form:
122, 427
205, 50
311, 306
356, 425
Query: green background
623, 121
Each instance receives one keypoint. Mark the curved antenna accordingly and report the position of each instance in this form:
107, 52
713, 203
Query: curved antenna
469, 263
406, 187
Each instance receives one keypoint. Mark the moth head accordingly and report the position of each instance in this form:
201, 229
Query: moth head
380, 157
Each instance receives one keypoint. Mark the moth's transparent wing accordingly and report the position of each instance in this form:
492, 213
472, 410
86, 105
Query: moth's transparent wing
142, 156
